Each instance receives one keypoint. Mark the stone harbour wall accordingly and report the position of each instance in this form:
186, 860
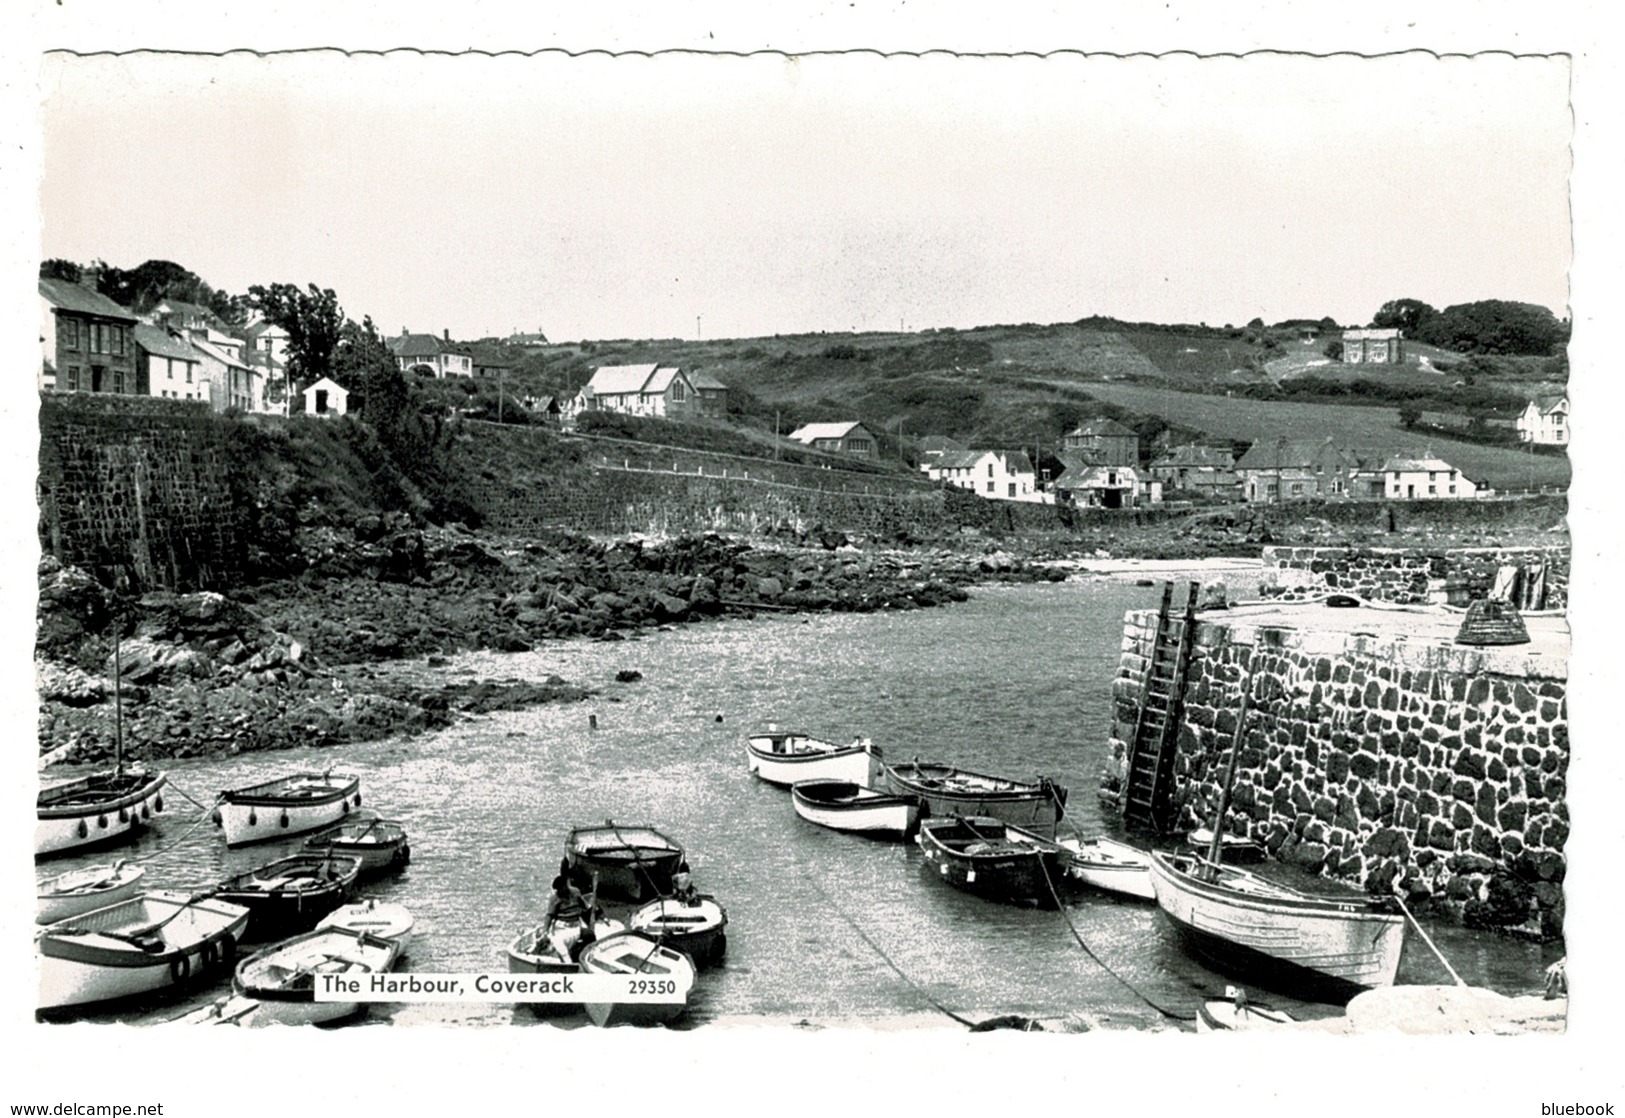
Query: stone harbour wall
1377, 760
1408, 576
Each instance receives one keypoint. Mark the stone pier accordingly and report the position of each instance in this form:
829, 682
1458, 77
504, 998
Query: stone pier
1377, 751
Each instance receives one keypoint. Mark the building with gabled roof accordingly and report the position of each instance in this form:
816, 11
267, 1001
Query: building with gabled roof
231, 379
998, 475
850, 437
87, 340
1283, 469
172, 367
1105, 441
648, 390
932, 447
431, 356
1083, 481
1545, 421
1425, 477
1207, 471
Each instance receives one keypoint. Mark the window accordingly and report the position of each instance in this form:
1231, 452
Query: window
118, 381
1433, 491
118, 340
188, 372
1012, 489
676, 391
990, 469
990, 487
70, 332
73, 378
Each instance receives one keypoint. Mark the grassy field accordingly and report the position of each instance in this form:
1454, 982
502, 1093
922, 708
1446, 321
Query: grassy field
1235, 418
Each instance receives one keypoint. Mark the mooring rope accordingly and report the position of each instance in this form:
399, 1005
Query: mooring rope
180, 838
184, 796
1101, 963
875, 947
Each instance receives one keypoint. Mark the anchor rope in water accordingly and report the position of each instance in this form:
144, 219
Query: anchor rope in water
1101, 963
875, 947
180, 838
195, 803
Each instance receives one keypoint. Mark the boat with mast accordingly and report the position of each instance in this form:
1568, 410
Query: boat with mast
100, 808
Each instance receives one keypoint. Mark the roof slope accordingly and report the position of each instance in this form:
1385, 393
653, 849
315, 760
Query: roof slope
619, 380
823, 431
77, 297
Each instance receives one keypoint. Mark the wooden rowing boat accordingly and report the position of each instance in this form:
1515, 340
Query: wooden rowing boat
98, 809
842, 805
381, 921
994, 859
148, 943
946, 790
290, 894
288, 805
1109, 865
785, 757
631, 953
1315, 948
380, 843
283, 978
632, 863
696, 926
77, 891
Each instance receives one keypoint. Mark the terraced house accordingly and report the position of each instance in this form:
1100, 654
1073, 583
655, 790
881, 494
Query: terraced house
87, 340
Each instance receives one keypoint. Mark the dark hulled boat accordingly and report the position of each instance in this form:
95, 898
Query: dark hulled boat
943, 789
626, 863
994, 859
289, 895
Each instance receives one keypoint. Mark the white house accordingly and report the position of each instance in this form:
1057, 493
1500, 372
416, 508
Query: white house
427, 354
174, 367
326, 399
643, 390
268, 337
232, 383
1545, 422
1084, 482
994, 474
1425, 479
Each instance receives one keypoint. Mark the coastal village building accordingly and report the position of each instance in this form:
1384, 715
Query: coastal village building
1373, 347
1105, 442
545, 408
1545, 422
272, 389
326, 399
933, 447
232, 381
428, 355
1102, 485
1425, 479
268, 338
1207, 471
710, 394
87, 340
171, 366
528, 342
490, 363
1275, 470
994, 474
642, 390
851, 439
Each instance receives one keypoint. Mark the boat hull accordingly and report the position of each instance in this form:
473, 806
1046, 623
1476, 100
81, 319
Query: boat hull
785, 758
528, 954
1026, 870
623, 863
1305, 947
843, 805
1224, 1016
379, 844
697, 928
282, 979
1112, 867
290, 895
631, 953
96, 810
289, 806
198, 938
381, 921
52, 903
943, 790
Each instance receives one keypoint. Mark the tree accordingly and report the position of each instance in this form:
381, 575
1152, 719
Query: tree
1409, 416
1496, 326
314, 321
1407, 315
59, 269
1334, 349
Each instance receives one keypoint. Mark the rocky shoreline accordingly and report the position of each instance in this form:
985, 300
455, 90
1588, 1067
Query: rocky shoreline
284, 664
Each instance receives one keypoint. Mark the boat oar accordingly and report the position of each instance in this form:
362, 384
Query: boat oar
1427, 940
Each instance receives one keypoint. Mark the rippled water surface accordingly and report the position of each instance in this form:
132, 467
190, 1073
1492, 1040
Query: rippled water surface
1015, 681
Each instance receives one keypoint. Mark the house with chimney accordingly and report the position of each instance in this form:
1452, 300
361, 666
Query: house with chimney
428, 355
170, 365
650, 391
1282, 469
1198, 471
87, 340
1105, 442
997, 475
1545, 421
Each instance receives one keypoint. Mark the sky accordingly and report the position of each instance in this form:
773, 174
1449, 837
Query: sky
691, 195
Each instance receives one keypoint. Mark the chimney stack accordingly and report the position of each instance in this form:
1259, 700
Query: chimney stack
445, 334
90, 276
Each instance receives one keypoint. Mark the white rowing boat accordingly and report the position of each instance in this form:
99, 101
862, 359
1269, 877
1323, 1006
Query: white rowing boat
78, 891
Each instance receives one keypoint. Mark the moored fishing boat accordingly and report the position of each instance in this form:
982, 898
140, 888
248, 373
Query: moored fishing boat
98, 809
283, 977
946, 790
1315, 948
290, 894
288, 805
1109, 865
784, 757
150, 942
550, 947
69, 894
631, 953
993, 859
695, 925
381, 921
842, 805
626, 863
380, 844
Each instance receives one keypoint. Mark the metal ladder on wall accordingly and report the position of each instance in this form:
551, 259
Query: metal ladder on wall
1148, 800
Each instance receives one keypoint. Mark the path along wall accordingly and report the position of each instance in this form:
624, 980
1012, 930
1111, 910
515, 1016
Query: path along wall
1412, 577
1375, 759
